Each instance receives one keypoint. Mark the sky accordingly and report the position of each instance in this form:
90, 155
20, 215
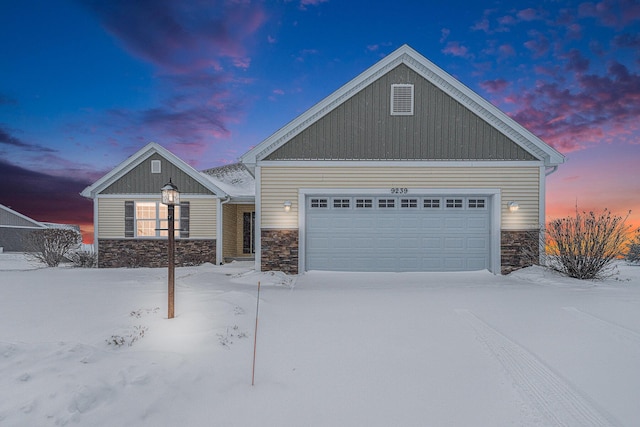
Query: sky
86, 83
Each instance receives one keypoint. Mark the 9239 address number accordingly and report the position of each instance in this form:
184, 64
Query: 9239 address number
399, 190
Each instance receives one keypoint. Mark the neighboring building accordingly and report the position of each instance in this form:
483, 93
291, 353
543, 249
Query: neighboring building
402, 169
16, 227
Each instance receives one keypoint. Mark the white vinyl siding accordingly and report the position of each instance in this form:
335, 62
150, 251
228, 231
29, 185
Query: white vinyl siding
111, 217
519, 184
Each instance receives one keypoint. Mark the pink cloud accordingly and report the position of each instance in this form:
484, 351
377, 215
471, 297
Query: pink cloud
539, 44
529, 14
611, 13
601, 109
305, 3
178, 36
494, 86
506, 50
456, 49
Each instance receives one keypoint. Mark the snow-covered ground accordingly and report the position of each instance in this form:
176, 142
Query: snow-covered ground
333, 349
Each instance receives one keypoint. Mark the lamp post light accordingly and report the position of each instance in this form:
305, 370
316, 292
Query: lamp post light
171, 198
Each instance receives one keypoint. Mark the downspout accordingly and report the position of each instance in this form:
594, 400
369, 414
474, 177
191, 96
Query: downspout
550, 170
541, 249
220, 248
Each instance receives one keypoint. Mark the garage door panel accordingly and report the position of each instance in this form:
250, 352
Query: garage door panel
474, 223
397, 239
454, 264
453, 224
453, 243
431, 223
481, 243
317, 242
432, 243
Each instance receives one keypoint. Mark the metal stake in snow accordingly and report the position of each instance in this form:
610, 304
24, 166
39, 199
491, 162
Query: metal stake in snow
255, 339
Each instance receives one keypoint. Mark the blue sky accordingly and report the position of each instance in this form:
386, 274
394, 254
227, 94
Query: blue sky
84, 84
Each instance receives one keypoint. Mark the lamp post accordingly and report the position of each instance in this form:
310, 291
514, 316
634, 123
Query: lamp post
171, 198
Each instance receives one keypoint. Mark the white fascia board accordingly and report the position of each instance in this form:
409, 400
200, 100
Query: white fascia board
140, 156
401, 163
432, 73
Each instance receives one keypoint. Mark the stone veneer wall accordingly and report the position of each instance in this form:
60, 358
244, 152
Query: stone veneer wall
280, 250
519, 249
153, 252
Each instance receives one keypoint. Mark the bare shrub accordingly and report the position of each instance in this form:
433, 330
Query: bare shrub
83, 259
633, 254
50, 245
585, 246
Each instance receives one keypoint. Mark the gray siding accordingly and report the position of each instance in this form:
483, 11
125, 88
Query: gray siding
140, 180
10, 219
15, 239
362, 129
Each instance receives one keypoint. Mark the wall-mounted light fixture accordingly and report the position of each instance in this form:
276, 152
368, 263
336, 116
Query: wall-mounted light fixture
513, 207
287, 205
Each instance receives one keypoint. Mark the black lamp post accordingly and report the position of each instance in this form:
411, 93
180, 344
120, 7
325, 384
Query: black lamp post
171, 198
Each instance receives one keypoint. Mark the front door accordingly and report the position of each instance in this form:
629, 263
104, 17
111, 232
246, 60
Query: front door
248, 227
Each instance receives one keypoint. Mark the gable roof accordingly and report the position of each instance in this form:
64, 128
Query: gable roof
235, 179
431, 72
11, 218
140, 156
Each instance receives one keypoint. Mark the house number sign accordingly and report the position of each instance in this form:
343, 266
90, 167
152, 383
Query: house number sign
399, 190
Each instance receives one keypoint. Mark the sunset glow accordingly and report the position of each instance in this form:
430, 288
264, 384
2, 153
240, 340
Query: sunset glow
89, 83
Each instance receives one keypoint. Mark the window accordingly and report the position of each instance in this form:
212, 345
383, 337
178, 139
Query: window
476, 203
319, 203
364, 203
432, 203
408, 203
156, 166
454, 204
386, 203
341, 203
151, 219
402, 100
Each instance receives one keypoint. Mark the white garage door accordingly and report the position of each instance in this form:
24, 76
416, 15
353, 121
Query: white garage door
397, 233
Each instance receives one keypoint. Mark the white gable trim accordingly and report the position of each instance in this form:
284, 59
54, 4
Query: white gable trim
432, 73
134, 160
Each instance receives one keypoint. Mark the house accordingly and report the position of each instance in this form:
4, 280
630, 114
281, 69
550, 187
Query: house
130, 222
401, 169
15, 229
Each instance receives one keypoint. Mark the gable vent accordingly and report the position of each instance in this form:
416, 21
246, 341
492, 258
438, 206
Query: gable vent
156, 166
401, 100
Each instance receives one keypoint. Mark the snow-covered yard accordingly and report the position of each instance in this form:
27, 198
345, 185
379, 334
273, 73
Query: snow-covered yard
334, 349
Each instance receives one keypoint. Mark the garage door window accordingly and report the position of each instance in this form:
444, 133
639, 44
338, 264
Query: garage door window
341, 203
386, 203
364, 203
476, 204
408, 203
431, 203
454, 204
319, 203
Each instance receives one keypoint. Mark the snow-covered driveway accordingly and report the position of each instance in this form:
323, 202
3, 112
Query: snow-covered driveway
334, 349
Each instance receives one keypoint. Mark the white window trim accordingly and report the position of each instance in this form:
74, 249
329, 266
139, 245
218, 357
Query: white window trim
157, 219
